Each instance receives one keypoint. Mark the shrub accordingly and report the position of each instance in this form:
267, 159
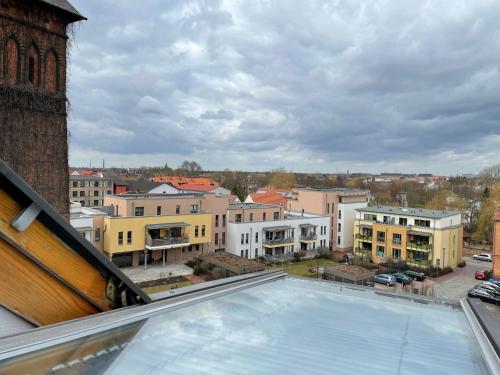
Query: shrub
462, 264
298, 255
191, 263
218, 273
325, 254
199, 269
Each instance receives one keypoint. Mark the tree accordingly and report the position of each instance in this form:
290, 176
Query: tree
491, 205
446, 200
281, 179
237, 182
189, 168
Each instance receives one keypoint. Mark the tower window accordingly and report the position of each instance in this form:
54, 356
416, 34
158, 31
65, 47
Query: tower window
31, 70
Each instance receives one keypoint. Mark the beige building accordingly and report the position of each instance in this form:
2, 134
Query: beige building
338, 204
418, 237
89, 190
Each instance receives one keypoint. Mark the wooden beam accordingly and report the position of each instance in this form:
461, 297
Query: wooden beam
45, 246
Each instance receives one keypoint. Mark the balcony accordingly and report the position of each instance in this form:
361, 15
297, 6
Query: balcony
364, 237
167, 243
278, 242
308, 237
421, 263
363, 252
427, 247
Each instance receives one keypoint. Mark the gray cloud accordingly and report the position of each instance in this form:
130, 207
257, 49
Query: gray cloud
306, 85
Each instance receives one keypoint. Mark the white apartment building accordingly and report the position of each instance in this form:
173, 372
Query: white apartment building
292, 232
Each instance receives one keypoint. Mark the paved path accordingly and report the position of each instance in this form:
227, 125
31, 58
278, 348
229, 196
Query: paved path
139, 274
456, 284
195, 279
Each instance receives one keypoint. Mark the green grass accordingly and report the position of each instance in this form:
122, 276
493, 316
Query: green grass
302, 268
162, 288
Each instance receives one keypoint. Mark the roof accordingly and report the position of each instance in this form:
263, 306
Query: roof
93, 177
263, 325
403, 211
269, 198
196, 187
179, 182
232, 198
66, 7
157, 196
497, 216
25, 216
141, 186
233, 263
245, 206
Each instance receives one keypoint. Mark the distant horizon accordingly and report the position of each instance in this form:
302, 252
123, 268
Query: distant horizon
371, 85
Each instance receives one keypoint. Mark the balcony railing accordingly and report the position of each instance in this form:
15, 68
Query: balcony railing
309, 237
396, 242
380, 239
364, 252
167, 241
419, 246
279, 241
364, 237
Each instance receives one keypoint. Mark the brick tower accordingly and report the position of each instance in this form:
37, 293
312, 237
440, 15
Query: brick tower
33, 126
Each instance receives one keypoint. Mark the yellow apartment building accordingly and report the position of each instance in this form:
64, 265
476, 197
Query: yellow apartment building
418, 237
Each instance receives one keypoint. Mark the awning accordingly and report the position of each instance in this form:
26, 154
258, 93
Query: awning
366, 226
416, 233
276, 229
307, 226
166, 225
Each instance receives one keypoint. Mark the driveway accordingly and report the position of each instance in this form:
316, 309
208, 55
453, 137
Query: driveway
456, 284
139, 274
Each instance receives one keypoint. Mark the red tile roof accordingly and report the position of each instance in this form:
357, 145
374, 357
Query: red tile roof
196, 187
180, 182
269, 198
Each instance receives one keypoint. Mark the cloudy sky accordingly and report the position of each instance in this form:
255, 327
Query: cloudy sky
319, 86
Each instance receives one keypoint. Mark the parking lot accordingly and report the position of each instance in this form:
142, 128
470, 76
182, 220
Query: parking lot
453, 285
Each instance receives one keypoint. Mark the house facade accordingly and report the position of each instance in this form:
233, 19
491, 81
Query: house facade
419, 237
257, 230
338, 204
89, 190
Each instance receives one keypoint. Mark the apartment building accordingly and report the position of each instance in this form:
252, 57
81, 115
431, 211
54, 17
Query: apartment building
141, 205
418, 237
338, 204
496, 247
89, 222
89, 190
268, 230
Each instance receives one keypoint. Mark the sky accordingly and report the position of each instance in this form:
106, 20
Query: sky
308, 85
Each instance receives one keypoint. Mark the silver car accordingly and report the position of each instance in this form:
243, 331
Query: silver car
483, 256
386, 279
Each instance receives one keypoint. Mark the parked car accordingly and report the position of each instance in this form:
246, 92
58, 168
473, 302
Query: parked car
484, 295
414, 275
482, 275
483, 256
402, 278
386, 279
489, 284
488, 288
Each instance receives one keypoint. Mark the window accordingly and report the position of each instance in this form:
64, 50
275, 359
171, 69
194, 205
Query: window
246, 253
203, 230
96, 203
216, 220
340, 199
120, 238
97, 236
246, 238
396, 239
256, 252
381, 236
396, 253
423, 223
242, 238
380, 251
194, 208
129, 237
196, 229
331, 224
276, 215
108, 192
82, 203
223, 238
263, 216
370, 217
139, 211
241, 253
338, 240
82, 193
340, 214
177, 209
96, 193
256, 237
82, 184
237, 218
339, 227
251, 216
216, 238
96, 183
403, 221
223, 220
197, 247
158, 210
75, 193
328, 208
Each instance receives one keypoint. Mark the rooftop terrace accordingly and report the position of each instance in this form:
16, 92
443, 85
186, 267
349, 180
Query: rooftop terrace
419, 212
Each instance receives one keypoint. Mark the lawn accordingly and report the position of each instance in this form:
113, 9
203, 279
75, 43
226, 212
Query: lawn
302, 268
164, 287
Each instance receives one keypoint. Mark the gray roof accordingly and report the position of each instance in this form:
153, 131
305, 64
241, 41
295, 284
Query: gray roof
243, 206
88, 178
157, 196
65, 6
420, 212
